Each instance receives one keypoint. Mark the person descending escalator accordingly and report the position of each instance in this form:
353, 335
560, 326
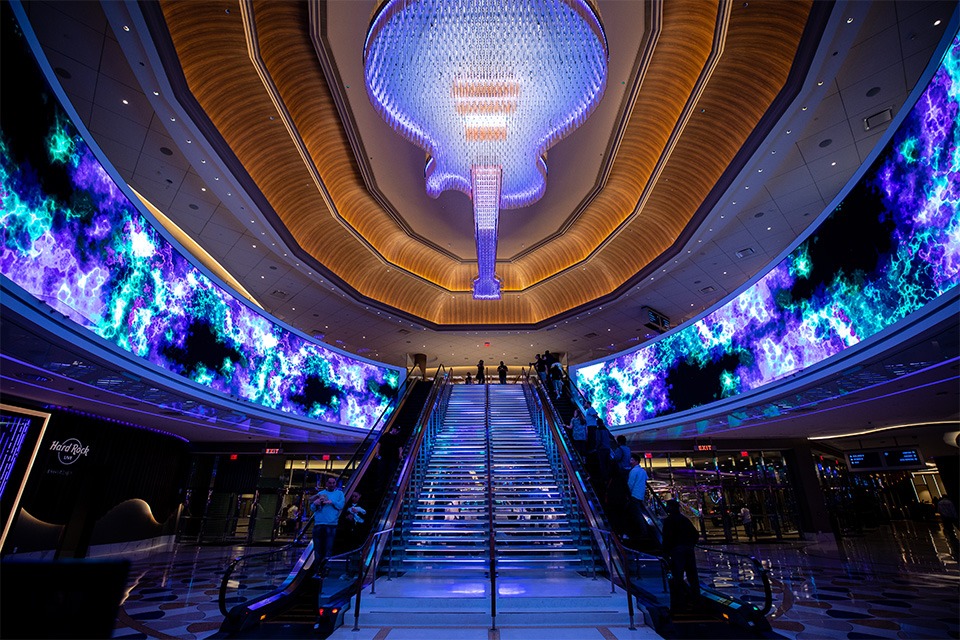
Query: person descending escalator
640, 530
680, 538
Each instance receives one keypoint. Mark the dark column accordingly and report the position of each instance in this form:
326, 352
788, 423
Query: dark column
812, 510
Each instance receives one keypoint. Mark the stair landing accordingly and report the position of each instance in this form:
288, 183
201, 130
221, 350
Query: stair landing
550, 607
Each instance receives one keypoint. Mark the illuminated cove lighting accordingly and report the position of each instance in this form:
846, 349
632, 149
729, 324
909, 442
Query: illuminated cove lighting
486, 88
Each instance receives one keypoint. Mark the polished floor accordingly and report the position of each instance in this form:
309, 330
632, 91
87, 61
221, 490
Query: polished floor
896, 582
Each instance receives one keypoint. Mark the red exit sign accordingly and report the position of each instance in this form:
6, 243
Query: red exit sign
271, 452
705, 447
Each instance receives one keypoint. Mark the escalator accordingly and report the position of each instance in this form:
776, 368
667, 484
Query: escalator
275, 593
735, 593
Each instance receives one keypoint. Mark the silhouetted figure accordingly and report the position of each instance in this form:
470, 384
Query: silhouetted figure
680, 538
468, 379
747, 519
502, 372
555, 373
540, 365
481, 374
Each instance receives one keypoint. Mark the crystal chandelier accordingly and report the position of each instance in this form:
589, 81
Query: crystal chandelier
486, 87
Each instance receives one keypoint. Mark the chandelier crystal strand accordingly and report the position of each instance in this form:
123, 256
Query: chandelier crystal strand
486, 87
486, 215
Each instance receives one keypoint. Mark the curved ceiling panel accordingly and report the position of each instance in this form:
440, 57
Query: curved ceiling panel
709, 74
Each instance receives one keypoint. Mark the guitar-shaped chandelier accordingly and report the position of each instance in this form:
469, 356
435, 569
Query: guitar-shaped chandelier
486, 87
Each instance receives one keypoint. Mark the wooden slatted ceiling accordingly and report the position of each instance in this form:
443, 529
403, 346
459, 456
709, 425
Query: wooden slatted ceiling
760, 46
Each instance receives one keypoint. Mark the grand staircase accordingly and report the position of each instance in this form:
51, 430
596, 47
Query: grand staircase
485, 467
449, 516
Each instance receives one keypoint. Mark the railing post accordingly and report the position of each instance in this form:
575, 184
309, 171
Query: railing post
490, 517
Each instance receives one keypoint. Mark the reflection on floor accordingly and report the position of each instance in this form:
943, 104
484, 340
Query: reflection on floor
897, 582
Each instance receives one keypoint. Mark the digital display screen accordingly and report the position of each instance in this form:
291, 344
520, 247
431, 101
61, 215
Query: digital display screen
864, 460
829, 293
902, 458
71, 238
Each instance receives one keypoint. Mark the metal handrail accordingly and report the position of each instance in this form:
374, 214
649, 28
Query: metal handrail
616, 561
491, 534
373, 552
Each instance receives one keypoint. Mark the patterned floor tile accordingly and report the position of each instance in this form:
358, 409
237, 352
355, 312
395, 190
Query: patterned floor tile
894, 583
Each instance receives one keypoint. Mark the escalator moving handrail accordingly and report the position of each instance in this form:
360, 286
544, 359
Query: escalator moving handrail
365, 452
757, 564
369, 555
619, 566
758, 567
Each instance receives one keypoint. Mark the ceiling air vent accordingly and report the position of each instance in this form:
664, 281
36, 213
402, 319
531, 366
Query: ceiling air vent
708, 289
743, 253
877, 119
590, 335
283, 295
403, 332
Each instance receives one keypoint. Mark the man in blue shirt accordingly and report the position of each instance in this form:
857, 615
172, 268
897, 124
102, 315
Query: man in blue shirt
326, 507
637, 486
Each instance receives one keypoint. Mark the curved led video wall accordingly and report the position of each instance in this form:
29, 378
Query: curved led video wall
71, 238
890, 247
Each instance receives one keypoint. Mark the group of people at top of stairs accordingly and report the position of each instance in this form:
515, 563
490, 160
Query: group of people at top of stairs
548, 368
482, 374
550, 372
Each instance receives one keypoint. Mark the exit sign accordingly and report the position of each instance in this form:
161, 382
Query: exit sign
705, 447
271, 452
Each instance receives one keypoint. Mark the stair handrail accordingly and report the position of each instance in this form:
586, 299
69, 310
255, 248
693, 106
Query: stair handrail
361, 460
374, 546
615, 561
491, 534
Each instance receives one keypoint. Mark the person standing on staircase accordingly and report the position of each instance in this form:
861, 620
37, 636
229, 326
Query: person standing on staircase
481, 374
502, 372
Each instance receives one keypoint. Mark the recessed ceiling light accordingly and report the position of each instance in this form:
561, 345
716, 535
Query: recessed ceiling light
849, 20
833, 164
820, 83
156, 93
124, 101
126, 28
203, 188
173, 119
936, 23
